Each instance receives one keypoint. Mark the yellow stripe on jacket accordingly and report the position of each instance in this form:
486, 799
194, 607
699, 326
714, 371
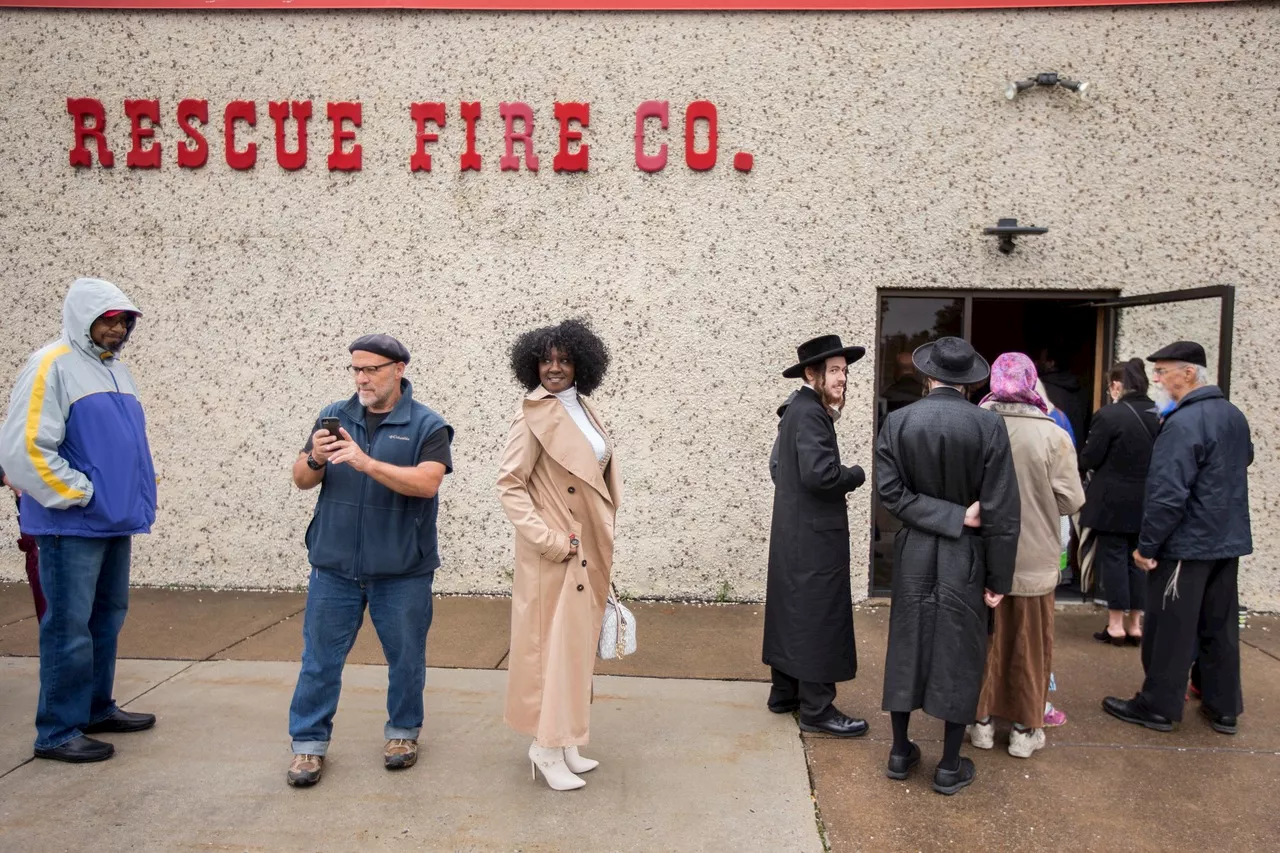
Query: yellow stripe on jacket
34, 407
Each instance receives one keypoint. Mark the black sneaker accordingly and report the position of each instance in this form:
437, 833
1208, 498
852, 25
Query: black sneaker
951, 781
900, 765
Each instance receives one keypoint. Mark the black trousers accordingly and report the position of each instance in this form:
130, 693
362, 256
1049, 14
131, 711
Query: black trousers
1192, 616
814, 697
1123, 583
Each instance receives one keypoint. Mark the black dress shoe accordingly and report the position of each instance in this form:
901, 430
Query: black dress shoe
1221, 723
900, 765
122, 721
79, 751
784, 707
838, 725
1131, 712
951, 781
1103, 637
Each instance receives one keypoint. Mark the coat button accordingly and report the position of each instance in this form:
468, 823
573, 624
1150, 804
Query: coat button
579, 587
584, 562
571, 490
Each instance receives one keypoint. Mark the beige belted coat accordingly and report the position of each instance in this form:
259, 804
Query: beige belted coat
551, 485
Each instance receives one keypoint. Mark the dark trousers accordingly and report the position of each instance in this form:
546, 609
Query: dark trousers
1123, 583
813, 697
1192, 616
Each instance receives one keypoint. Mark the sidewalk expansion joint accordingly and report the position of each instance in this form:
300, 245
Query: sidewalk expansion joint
1064, 744
1244, 642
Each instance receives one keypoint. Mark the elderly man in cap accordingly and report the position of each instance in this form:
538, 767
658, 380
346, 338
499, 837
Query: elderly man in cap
945, 470
1195, 528
379, 458
808, 617
75, 445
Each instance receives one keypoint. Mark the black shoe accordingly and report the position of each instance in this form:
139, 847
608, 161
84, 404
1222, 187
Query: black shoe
784, 707
900, 765
1131, 712
1221, 723
1103, 637
950, 781
122, 721
838, 725
82, 750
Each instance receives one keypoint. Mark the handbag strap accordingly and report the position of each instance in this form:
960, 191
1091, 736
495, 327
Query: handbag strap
1130, 407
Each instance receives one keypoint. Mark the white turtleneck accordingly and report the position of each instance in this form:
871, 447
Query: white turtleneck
569, 399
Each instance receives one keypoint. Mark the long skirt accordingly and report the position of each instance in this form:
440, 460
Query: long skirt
1015, 684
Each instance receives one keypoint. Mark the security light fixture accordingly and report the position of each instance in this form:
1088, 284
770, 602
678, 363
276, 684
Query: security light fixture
1007, 229
1051, 79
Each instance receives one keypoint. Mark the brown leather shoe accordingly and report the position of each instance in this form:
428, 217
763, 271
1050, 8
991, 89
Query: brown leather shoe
304, 770
400, 753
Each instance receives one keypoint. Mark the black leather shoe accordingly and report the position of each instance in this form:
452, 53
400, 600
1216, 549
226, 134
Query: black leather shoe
900, 765
82, 750
838, 725
1221, 723
122, 721
951, 781
1131, 712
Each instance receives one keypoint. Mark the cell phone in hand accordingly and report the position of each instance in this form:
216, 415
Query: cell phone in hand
331, 425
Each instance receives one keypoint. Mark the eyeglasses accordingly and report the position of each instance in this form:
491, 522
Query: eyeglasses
367, 371
1161, 371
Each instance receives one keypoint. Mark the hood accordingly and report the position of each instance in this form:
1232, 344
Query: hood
1059, 379
782, 410
87, 300
1204, 392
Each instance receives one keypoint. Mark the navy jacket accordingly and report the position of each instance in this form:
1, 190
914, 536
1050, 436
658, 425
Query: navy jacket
1197, 505
362, 529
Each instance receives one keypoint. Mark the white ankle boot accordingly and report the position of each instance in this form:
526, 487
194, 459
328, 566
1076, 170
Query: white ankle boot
550, 760
576, 763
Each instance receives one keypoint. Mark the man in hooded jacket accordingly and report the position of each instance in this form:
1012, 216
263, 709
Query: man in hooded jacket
808, 619
75, 444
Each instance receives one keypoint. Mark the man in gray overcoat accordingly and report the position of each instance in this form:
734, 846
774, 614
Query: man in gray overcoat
808, 617
944, 469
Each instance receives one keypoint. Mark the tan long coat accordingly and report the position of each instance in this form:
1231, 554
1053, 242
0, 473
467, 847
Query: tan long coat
550, 486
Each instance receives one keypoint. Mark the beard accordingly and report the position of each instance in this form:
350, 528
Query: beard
1160, 397
831, 399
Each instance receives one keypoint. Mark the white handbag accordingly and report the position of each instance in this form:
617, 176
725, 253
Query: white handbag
618, 630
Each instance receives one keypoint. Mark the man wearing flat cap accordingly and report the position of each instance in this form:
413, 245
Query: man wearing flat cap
945, 470
1195, 528
379, 458
808, 616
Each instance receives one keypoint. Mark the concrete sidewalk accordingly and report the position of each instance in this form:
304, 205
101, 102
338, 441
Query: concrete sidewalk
691, 760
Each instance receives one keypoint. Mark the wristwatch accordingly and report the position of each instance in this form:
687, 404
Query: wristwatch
312, 463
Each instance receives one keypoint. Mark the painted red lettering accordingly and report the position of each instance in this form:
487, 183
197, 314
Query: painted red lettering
650, 162
81, 109
339, 160
280, 110
140, 157
471, 115
193, 156
700, 160
510, 161
577, 161
246, 111
420, 160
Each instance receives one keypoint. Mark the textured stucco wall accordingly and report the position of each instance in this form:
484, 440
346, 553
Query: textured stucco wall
881, 147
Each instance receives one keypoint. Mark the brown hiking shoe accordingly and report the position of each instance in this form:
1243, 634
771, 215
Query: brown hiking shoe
400, 753
304, 770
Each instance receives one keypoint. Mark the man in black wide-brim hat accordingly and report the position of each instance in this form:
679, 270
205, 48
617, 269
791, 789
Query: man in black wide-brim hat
945, 470
808, 617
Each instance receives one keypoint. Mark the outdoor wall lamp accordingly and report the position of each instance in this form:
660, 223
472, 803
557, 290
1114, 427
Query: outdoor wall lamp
1007, 229
1014, 87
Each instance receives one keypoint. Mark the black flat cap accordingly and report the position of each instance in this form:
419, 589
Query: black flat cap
1187, 351
383, 345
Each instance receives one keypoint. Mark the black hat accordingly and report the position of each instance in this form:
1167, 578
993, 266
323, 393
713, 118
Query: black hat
1188, 351
383, 345
951, 360
819, 350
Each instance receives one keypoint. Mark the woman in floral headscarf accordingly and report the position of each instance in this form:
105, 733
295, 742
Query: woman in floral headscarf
1016, 682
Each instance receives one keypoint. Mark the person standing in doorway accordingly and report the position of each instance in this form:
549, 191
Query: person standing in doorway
1195, 529
808, 616
75, 444
944, 468
1015, 686
1117, 454
560, 487
379, 458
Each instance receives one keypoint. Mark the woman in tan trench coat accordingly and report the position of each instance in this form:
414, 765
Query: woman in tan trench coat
559, 486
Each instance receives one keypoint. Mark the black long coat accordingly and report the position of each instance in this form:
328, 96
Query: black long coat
1118, 452
808, 615
933, 459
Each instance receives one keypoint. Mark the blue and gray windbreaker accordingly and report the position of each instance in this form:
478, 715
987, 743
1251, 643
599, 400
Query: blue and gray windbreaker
75, 441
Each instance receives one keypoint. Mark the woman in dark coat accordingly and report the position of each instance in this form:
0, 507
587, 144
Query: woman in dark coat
1118, 453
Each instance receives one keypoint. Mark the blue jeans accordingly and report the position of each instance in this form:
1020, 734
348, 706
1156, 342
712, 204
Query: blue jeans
86, 586
400, 609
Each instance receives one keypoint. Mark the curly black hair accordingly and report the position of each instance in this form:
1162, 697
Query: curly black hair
573, 338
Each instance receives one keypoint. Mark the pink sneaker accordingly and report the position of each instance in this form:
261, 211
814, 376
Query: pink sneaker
1054, 718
